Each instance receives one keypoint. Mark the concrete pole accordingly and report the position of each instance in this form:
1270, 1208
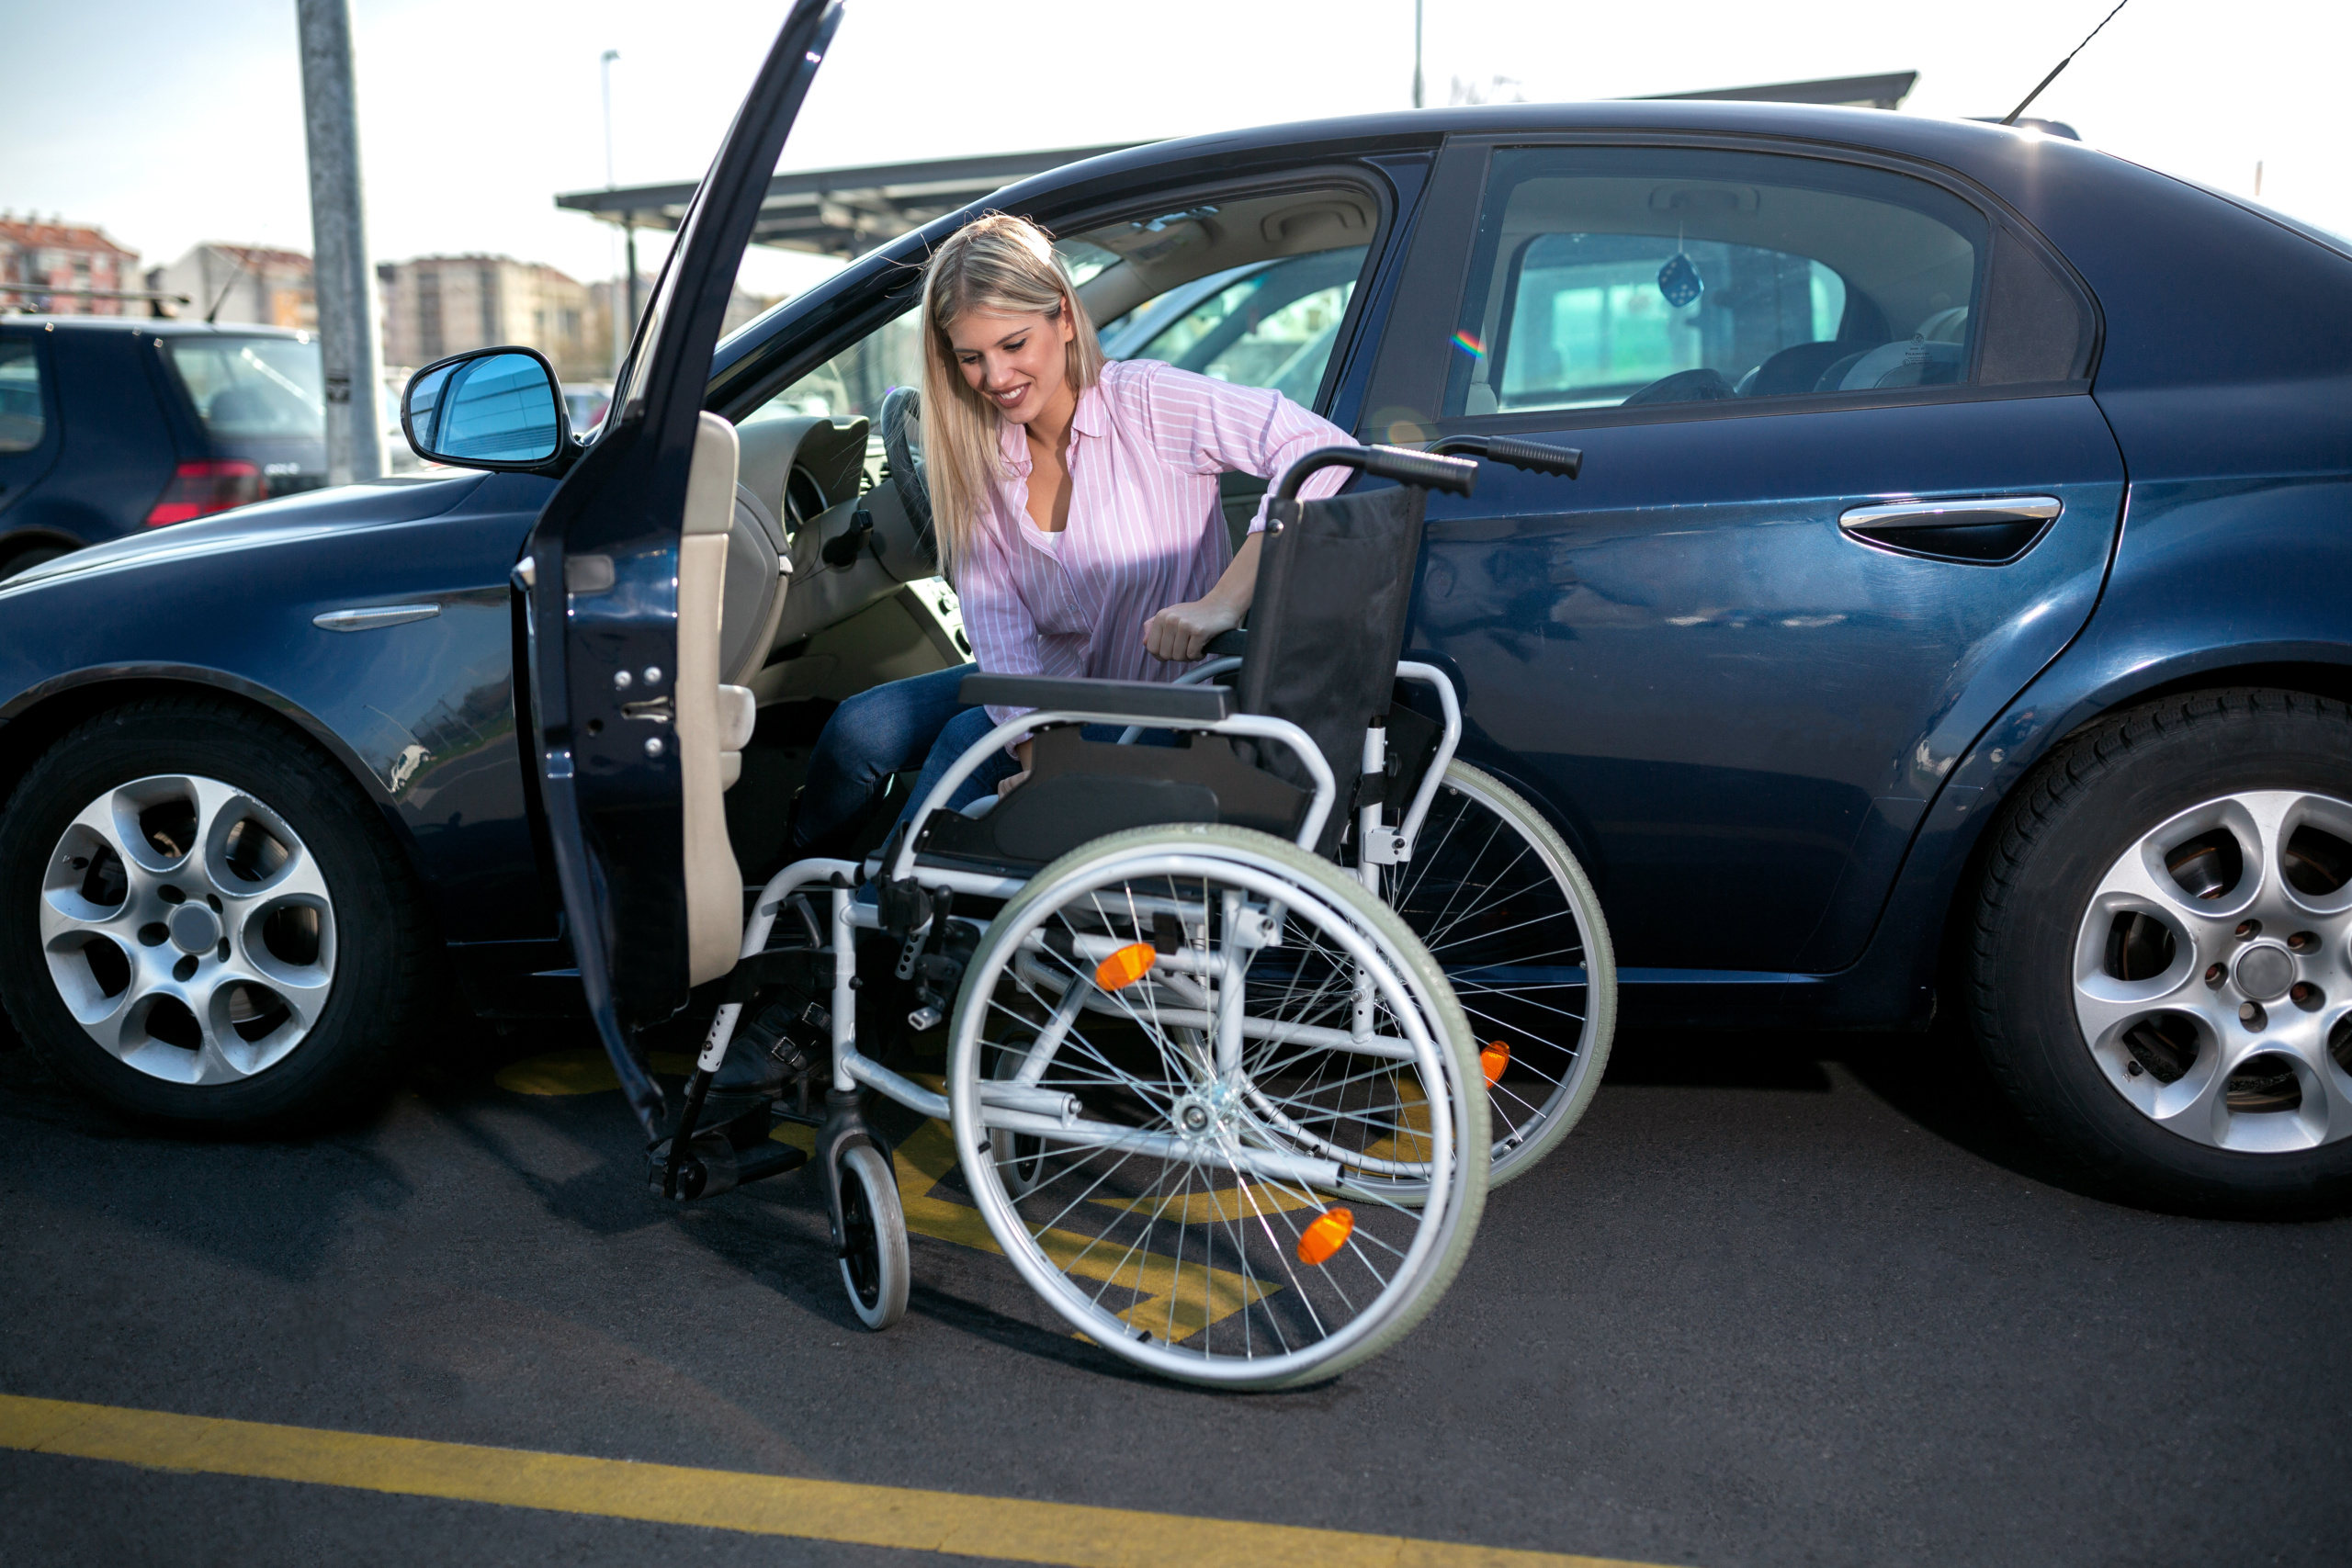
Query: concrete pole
345, 283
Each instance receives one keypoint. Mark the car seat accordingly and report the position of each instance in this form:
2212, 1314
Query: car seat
712, 720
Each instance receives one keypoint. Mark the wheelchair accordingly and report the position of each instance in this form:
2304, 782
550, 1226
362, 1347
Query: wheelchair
1211, 1081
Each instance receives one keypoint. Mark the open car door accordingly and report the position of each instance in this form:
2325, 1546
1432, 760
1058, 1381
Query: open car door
627, 564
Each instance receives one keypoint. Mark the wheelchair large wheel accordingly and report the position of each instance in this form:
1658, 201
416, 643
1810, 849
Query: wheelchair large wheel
1504, 908
1220, 1036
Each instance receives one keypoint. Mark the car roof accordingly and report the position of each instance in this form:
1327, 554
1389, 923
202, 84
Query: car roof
161, 326
1995, 154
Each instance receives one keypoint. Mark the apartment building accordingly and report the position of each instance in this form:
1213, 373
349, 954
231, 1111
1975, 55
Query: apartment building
65, 269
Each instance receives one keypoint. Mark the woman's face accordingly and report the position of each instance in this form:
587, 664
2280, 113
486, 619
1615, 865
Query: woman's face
1018, 364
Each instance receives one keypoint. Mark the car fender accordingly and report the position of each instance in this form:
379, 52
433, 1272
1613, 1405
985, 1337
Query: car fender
420, 709
2198, 598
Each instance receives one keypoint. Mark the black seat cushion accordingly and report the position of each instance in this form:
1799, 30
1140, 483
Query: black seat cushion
1684, 387
1795, 369
1833, 378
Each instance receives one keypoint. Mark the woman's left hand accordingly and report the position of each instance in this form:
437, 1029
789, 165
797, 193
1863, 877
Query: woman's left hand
1179, 633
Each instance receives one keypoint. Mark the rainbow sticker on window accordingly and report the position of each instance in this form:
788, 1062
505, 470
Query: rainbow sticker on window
1477, 350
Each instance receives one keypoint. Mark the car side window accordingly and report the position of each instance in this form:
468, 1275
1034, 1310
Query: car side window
1613, 277
855, 380
23, 422
1265, 325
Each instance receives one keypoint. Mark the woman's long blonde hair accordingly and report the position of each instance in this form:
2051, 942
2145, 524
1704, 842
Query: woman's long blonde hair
1005, 266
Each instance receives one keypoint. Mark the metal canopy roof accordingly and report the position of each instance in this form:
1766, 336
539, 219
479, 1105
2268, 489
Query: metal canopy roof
841, 212
846, 212
1858, 91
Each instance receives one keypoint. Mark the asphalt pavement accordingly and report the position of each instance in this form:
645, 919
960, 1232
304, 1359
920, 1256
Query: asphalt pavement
1777, 1301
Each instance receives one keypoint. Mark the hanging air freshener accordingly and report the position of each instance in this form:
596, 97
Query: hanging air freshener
1678, 280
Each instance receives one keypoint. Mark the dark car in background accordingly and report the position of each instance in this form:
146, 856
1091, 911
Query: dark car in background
1951, 616
112, 425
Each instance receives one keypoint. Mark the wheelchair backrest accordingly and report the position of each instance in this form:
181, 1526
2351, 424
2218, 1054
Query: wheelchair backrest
1326, 625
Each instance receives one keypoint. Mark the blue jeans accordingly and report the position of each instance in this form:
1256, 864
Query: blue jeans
919, 721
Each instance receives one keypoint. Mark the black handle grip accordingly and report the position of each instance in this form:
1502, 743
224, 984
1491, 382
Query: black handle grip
1532, 456
1565, 461
1456, 476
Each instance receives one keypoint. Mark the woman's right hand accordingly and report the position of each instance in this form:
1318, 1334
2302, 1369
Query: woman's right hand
1179, 633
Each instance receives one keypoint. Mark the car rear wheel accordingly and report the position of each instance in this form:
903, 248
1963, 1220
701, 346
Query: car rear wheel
202, 922
2162, 965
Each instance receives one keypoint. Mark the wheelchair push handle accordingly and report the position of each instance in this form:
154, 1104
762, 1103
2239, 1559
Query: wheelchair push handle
1532, 456
1430, 472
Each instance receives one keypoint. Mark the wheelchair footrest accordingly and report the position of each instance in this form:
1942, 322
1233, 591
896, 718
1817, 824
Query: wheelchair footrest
713, 1164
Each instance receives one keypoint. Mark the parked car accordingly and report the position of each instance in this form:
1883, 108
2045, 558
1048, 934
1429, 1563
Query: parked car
1950, 614
111, 425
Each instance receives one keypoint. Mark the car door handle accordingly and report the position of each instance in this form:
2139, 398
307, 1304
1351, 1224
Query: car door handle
1987, 531
1951, 514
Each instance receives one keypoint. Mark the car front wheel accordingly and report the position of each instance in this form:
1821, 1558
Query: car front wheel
2162, 964
202, 922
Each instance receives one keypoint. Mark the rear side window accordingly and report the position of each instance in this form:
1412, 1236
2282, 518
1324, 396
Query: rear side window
22, 421
1612, 278
253, 386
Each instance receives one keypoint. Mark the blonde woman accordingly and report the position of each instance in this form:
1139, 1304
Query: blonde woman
1075, 501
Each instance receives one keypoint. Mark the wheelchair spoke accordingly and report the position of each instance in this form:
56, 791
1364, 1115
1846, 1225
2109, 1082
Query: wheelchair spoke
1224, 1237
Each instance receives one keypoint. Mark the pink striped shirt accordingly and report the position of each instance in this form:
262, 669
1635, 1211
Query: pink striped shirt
1145, 530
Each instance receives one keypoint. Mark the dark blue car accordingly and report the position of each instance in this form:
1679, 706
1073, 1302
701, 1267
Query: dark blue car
1950, 615
111, 425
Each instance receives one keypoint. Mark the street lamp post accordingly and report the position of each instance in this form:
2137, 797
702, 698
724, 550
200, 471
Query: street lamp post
621, 329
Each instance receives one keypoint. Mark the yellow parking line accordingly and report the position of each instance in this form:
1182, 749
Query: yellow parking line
1003, 1528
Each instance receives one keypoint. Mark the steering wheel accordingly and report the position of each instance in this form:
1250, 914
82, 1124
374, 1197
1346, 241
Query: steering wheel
902, 406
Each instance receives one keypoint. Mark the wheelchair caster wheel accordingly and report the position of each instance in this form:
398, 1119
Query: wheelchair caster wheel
874, 1264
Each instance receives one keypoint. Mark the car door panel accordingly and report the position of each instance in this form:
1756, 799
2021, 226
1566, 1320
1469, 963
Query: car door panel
1742, 710
605, 602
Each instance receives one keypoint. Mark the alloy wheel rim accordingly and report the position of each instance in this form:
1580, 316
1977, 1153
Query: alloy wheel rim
2212, 975
187, 930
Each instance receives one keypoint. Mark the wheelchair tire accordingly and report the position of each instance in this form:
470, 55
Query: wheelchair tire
1196, 1221
874, 1268
1526, 950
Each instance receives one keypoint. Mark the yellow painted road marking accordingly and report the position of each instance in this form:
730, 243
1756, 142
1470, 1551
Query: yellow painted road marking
587, 1071
1066, 1534
1221, 1204
1201, 1296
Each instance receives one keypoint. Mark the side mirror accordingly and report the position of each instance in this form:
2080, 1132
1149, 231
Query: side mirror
492, 408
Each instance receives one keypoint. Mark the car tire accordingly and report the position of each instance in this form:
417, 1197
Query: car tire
254, 970
2160, 966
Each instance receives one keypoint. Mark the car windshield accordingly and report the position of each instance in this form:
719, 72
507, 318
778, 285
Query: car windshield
254, 385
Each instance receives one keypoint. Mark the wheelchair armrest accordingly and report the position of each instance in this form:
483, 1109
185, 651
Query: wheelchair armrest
1234, 644
1125, 700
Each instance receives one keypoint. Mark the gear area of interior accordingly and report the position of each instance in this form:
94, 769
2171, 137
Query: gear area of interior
831, 582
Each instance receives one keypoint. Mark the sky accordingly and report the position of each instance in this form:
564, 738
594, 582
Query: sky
167, 123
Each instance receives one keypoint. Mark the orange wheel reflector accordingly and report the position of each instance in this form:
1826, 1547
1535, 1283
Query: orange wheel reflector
1125, 967
1325, 1234
1495, 1059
